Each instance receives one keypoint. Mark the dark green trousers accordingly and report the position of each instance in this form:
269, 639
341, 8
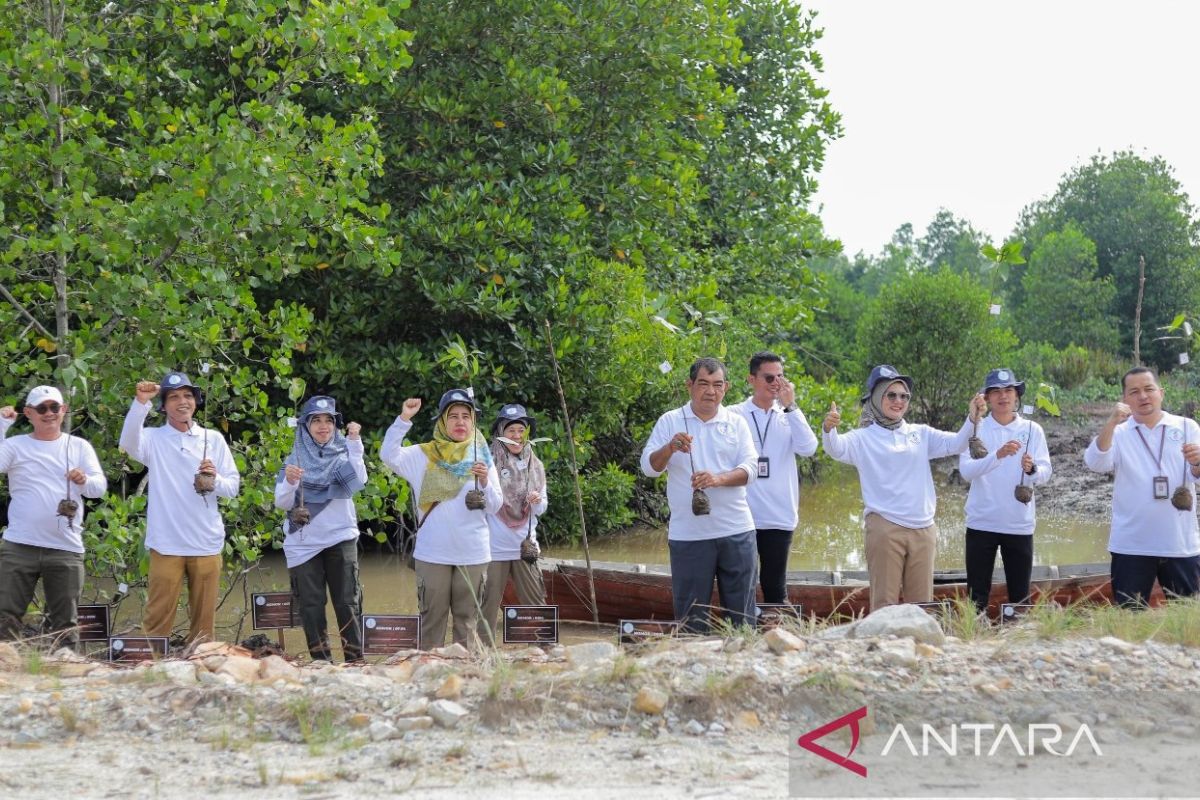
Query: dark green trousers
335, 568
61, 573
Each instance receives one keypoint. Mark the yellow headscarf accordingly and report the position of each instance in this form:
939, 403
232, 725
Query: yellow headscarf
448, 464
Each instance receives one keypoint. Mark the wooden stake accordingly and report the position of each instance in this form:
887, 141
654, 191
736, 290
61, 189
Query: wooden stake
562, 399
1137, 313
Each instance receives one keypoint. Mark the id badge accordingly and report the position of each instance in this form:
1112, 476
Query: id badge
1160, 488
764, 467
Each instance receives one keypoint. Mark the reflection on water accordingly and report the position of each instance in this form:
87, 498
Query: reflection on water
830, 532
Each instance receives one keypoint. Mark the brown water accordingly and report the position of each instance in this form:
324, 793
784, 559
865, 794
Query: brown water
829, 537
830, 534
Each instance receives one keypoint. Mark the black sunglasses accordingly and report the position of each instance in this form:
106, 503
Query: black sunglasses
771, 378
48, 408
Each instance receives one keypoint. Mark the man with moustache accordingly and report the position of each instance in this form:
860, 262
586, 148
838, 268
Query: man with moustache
43, 468
703, 445
1156, 460
781, 433
185, 534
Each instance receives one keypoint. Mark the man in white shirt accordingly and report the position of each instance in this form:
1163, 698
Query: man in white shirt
996, 519
185, 535
1156, 460
892, 457
780, 433
43, 468
705, 447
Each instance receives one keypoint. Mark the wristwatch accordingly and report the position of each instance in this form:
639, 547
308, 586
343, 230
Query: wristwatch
790, 408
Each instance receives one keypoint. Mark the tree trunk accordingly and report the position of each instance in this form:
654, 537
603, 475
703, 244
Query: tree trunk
55, 16
1137, 313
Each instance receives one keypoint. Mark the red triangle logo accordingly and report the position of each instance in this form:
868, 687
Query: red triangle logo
809, 741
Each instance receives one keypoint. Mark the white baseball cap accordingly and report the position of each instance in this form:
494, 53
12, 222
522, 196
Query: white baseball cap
40, 394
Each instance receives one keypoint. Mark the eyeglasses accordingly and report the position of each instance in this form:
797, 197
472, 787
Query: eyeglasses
901, 396
48, 408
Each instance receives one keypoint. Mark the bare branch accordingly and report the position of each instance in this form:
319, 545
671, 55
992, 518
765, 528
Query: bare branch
25, 313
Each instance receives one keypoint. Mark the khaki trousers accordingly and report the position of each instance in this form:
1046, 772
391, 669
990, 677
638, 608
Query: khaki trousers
203, 575
444, 589
899, 562
527, 580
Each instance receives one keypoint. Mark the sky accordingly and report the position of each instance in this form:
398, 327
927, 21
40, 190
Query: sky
981, 107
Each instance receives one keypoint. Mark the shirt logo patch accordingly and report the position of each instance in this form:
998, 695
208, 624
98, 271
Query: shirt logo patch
1174, 434
1023, 437
914, 437
724, 428
505, 473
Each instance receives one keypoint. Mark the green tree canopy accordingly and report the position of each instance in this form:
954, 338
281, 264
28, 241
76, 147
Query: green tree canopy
1065, 302
935, 326
1129, 206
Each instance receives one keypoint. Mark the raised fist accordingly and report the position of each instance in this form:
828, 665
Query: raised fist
411, 406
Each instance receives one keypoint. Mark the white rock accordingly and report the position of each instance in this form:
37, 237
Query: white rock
900, 652
240, 668
902, 620
693, 728
590, 653
839, 632
181, 672
274, 668
380, 730
1117, 645
417, 707
405, 724
781, 641
446, 713
455, 650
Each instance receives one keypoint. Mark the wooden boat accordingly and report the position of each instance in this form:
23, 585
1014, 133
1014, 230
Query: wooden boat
637, 591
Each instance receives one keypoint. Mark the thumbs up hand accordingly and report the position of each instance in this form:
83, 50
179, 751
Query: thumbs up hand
832, 419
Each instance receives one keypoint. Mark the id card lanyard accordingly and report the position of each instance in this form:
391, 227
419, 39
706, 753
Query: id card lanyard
764, 463
1160, 480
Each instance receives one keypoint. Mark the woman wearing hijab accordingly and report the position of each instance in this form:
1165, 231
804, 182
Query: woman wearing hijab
453, 549
317, 486
892, 457
523, 483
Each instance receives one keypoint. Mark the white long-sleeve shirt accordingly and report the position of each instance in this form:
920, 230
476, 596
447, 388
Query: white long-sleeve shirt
180, 522
893, 467
37, 481
452, 533
1142, 525
778, 436
991, 504
506, 541
719, 445
337, 522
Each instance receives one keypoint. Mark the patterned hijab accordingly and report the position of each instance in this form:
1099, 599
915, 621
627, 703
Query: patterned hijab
328, 473
517, 483
448, 466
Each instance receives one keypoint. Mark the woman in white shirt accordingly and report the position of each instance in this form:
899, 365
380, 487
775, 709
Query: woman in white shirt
996, 518
453, 540
892, 457
514, 527
316, 486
